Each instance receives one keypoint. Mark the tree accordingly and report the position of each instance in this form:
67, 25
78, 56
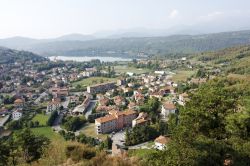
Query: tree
27, 145
4, 154
212, 128
71, 123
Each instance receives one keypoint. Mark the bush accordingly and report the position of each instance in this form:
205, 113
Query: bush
78, 152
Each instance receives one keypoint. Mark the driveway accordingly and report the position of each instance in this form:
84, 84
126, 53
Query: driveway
118, 138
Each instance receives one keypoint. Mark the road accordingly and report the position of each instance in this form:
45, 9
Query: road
118, 138
140, 146
37, 101
90, 108
4, 120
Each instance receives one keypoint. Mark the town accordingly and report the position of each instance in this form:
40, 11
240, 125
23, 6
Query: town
99, 102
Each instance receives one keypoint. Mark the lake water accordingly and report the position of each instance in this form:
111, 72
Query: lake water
86, 58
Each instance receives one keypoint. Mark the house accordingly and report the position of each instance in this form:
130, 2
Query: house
161, 141
79, 110
119, 101
115, 120
54, 105
183, 98
59, 92
100, 88
139, 98
4, 112
19, 103
167, 108
160, 72
17, 114
142, 119
103, 101
121, 82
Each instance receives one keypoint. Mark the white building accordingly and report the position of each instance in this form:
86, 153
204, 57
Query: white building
167, 108
17, 114
160, 142
53, 106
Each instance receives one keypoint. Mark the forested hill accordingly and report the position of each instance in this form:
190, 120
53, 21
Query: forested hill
10, 56
233, 60
150, 45
130, 47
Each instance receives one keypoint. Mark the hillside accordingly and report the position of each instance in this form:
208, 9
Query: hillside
232, 60
11, 56
150, 46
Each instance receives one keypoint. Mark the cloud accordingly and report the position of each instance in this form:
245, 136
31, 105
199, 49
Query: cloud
215, 14
173, 14
212, 16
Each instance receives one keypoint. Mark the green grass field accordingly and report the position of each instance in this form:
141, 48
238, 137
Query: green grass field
42, 119
93, 80
125, 69
141, 153
182, 75
47, 132
89, 130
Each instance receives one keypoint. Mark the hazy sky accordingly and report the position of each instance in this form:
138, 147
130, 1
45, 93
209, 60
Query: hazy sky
51, 18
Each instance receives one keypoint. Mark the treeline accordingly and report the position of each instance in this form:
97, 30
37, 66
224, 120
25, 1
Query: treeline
72, 123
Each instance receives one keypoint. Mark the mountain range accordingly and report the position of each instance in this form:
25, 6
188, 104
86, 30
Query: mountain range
128, 44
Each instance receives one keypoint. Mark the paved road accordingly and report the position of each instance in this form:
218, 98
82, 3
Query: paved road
4, 120
37, 101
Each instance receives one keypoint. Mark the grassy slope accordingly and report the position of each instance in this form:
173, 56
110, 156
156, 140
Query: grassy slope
182, 75
93, 81
236, 58
125, 69
89, 130
42, 119
47, 132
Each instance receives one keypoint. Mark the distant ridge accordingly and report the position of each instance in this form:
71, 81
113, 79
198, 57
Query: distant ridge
87, 45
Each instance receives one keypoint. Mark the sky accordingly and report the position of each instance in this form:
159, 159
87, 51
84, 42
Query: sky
53, 18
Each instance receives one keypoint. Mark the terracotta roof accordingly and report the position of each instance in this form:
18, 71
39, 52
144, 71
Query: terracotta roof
106, 118
169, 106
113, 114
162, 140
184, 95
18, 101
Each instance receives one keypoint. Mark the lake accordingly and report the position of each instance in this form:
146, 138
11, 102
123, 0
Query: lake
87, 58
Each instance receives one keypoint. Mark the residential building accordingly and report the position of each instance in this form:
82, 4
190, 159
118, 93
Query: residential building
100, 88
142, 119
121, 82
167, 108
116, 120
17, 114
19, 103
183, 98
54, 105
161, 141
